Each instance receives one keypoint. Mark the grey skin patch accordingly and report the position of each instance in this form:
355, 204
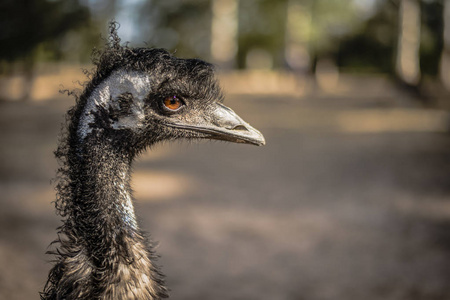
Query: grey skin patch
105, 95
126, 205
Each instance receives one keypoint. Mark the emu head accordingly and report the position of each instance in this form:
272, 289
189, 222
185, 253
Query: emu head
140, 96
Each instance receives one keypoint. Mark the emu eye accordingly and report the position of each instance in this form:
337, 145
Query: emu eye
173, 103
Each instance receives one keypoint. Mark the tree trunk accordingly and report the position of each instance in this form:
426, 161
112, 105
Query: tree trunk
444, 72
407, 61
298, 28
224, 32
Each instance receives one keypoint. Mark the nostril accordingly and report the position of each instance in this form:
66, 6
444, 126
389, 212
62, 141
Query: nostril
240, 127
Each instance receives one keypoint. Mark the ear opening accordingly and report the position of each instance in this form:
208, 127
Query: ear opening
124, 102
126, 112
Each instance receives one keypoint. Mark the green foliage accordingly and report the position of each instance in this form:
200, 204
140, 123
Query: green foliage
372, 48
431, 37
262, 25
360, 35
178, 25
331, 21
25, 25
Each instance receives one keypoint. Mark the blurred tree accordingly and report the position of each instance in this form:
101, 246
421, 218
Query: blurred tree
332, 21
371, 48
27, 26
183, 26
431, 37
298, 35
273, 33
407, 64
288, 29
224, 26
262, 26
105, 10
444, 67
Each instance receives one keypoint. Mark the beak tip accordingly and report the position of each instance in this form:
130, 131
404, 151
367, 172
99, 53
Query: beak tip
253, 136
262, 142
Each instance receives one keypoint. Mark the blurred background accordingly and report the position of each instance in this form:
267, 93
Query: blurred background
349, 199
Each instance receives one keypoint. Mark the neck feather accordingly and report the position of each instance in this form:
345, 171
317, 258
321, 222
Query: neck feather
105, 193
102, 253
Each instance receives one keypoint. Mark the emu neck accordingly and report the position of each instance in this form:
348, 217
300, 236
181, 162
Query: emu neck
105, 197
111, 251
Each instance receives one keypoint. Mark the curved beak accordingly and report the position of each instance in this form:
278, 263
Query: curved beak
222, 123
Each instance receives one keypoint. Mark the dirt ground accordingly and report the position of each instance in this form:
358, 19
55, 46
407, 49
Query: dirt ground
348, 200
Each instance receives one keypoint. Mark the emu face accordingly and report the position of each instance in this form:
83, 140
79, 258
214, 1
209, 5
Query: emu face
171, 98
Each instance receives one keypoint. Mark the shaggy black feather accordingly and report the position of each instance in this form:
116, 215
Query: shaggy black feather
99, 253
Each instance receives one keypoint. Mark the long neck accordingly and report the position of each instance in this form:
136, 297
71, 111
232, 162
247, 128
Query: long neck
105, 255
104, 195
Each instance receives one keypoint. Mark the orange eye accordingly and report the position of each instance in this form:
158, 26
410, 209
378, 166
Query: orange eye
173, 103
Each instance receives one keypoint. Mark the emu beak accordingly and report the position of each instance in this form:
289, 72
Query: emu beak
222, 123
228, 126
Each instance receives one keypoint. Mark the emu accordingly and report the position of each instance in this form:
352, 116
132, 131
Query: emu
136, 97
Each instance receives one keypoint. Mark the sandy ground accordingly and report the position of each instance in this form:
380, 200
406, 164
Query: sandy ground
346, 201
